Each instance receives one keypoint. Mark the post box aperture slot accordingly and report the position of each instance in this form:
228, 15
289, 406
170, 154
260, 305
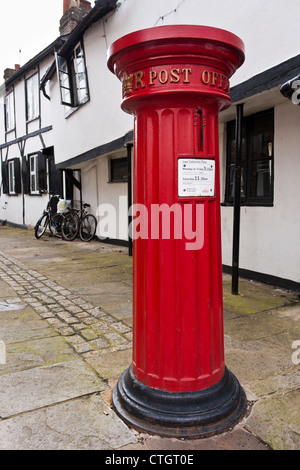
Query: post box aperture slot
200, 122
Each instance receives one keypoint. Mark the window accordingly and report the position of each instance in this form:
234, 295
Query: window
257, 160
73, 78
9, 112
32, 97
118, 170
34, 174
64, 82
11, 178
80, 75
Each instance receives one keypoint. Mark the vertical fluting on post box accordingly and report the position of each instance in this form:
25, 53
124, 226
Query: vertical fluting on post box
175, 81
177, 293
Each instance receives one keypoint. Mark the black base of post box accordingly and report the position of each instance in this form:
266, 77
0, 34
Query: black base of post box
188, 415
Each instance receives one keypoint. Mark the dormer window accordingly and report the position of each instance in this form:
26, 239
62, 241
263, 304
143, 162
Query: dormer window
73, 78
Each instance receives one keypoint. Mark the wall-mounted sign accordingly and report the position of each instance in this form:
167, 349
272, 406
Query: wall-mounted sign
196, 177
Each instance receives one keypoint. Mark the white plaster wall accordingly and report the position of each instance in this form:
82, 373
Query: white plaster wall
270, 235
46, 108
20, 105
10, 207
17, 209
270, 33
108, 200
98, 121
14, 208
2, 94
269, 29
33, 208
101, 120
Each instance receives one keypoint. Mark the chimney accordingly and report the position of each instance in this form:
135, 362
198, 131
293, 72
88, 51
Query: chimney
73, 13
9, 72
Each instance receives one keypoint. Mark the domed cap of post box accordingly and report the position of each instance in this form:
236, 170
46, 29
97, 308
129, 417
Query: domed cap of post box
186, 40
168, 38
177, 58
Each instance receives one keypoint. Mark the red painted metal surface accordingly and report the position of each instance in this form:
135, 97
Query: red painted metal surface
175, 81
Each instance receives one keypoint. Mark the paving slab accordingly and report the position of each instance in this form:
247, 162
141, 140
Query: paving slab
5, 291
277, 383
236, 440
256, 361
110, 364
47, 385
37, 352
253, 297
81, 424
17, 330
275, 418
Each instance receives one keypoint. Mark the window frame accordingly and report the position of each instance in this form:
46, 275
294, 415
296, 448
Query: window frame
32, 97
248, 162
13, 175
9, 112
77, 62
69, 68
64, 75
112, 177
34, 173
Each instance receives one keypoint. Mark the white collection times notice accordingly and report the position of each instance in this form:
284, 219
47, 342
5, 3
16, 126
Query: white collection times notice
196, 177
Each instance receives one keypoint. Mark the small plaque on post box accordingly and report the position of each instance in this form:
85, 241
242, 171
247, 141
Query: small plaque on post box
196, 177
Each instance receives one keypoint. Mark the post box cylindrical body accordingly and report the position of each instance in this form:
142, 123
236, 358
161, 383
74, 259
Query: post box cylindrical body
175, 81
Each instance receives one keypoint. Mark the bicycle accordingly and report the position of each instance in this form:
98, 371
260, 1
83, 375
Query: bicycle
87, 223
61, 224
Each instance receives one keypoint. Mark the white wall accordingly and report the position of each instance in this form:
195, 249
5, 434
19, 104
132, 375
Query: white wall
27, 209
268, 28
270, 33
108, 200
270, 235
98, 121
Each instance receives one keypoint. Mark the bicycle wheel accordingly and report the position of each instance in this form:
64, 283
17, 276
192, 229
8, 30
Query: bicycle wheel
41, 225
87, 228
69, 226
55, 225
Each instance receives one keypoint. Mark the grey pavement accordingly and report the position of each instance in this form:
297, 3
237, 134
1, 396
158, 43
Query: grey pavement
66, 337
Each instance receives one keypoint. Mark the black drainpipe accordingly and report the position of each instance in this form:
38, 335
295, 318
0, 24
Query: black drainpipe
237, 200
129, 148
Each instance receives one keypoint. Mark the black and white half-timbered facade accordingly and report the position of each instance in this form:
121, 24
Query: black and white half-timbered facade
62, 129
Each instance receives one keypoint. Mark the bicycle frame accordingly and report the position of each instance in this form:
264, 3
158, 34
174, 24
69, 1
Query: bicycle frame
83, 216
47, 217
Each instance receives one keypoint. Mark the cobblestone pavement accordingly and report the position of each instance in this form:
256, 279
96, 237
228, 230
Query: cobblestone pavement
84, 327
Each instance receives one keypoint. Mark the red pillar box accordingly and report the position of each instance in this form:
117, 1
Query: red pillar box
175, 81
